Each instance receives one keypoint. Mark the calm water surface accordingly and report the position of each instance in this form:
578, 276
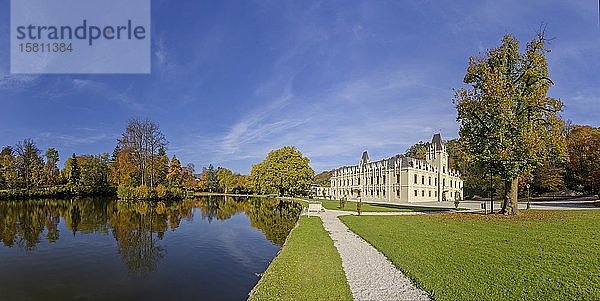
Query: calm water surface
97, 249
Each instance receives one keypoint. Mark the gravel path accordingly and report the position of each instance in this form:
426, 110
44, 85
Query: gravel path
371, 276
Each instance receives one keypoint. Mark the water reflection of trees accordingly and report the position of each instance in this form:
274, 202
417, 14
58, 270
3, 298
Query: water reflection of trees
275, 218
138, 227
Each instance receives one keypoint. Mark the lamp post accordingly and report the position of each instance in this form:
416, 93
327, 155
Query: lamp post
528, 198
491, 190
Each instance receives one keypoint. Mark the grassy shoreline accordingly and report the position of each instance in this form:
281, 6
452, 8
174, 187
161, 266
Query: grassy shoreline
550, 255
308, 267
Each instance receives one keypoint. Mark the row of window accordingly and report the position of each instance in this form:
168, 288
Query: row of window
346, 182
430, 193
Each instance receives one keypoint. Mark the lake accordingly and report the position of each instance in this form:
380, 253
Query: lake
209, 248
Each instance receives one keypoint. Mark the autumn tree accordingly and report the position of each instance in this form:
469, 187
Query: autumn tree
29, 163
549, 177
583, 168
284, 171
51, 169
123, 171
418, 151
8, 169
142, 141
187, 176
507, 122
174, 174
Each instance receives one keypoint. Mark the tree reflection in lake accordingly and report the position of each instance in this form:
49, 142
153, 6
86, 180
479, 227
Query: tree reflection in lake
137, 227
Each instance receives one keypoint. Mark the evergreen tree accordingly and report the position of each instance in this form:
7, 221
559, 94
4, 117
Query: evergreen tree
75, 172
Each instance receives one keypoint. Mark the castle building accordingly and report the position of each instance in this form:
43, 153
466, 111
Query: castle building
400, 179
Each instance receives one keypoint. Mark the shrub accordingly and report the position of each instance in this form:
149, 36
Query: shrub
176, 193
161, 191
342, 202
142, 192
125, 192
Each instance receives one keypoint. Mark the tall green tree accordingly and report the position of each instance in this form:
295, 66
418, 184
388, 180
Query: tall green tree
93, 170
284, 171
73, 172
160, 167
507, 121
209, 179
227, 180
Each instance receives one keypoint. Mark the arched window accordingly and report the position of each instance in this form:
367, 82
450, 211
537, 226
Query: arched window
423, 180
429, 181
416, 179
415, 192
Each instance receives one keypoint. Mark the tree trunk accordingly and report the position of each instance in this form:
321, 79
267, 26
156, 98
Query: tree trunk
514, 195
511, 197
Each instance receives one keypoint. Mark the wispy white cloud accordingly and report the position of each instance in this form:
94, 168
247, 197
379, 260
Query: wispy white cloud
77, 86
368, 112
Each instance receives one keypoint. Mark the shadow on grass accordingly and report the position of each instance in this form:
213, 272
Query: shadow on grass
411, 208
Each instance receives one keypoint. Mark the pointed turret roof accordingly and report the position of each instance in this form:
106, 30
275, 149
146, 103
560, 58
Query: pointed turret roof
436, 141
365, 157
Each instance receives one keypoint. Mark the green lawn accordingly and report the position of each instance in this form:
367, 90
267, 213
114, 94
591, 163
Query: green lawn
307, 268
372, 207
536, 256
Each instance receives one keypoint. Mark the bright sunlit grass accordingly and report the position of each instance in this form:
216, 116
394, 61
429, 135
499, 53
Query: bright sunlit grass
539, 255
307, 268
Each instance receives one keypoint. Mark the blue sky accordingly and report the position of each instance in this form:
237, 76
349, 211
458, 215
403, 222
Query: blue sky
232, 80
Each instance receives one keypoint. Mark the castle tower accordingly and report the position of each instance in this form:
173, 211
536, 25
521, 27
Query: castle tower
438, 157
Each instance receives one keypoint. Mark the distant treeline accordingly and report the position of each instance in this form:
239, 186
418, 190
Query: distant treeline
139, 168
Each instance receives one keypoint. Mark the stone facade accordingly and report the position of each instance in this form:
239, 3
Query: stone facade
400, 179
